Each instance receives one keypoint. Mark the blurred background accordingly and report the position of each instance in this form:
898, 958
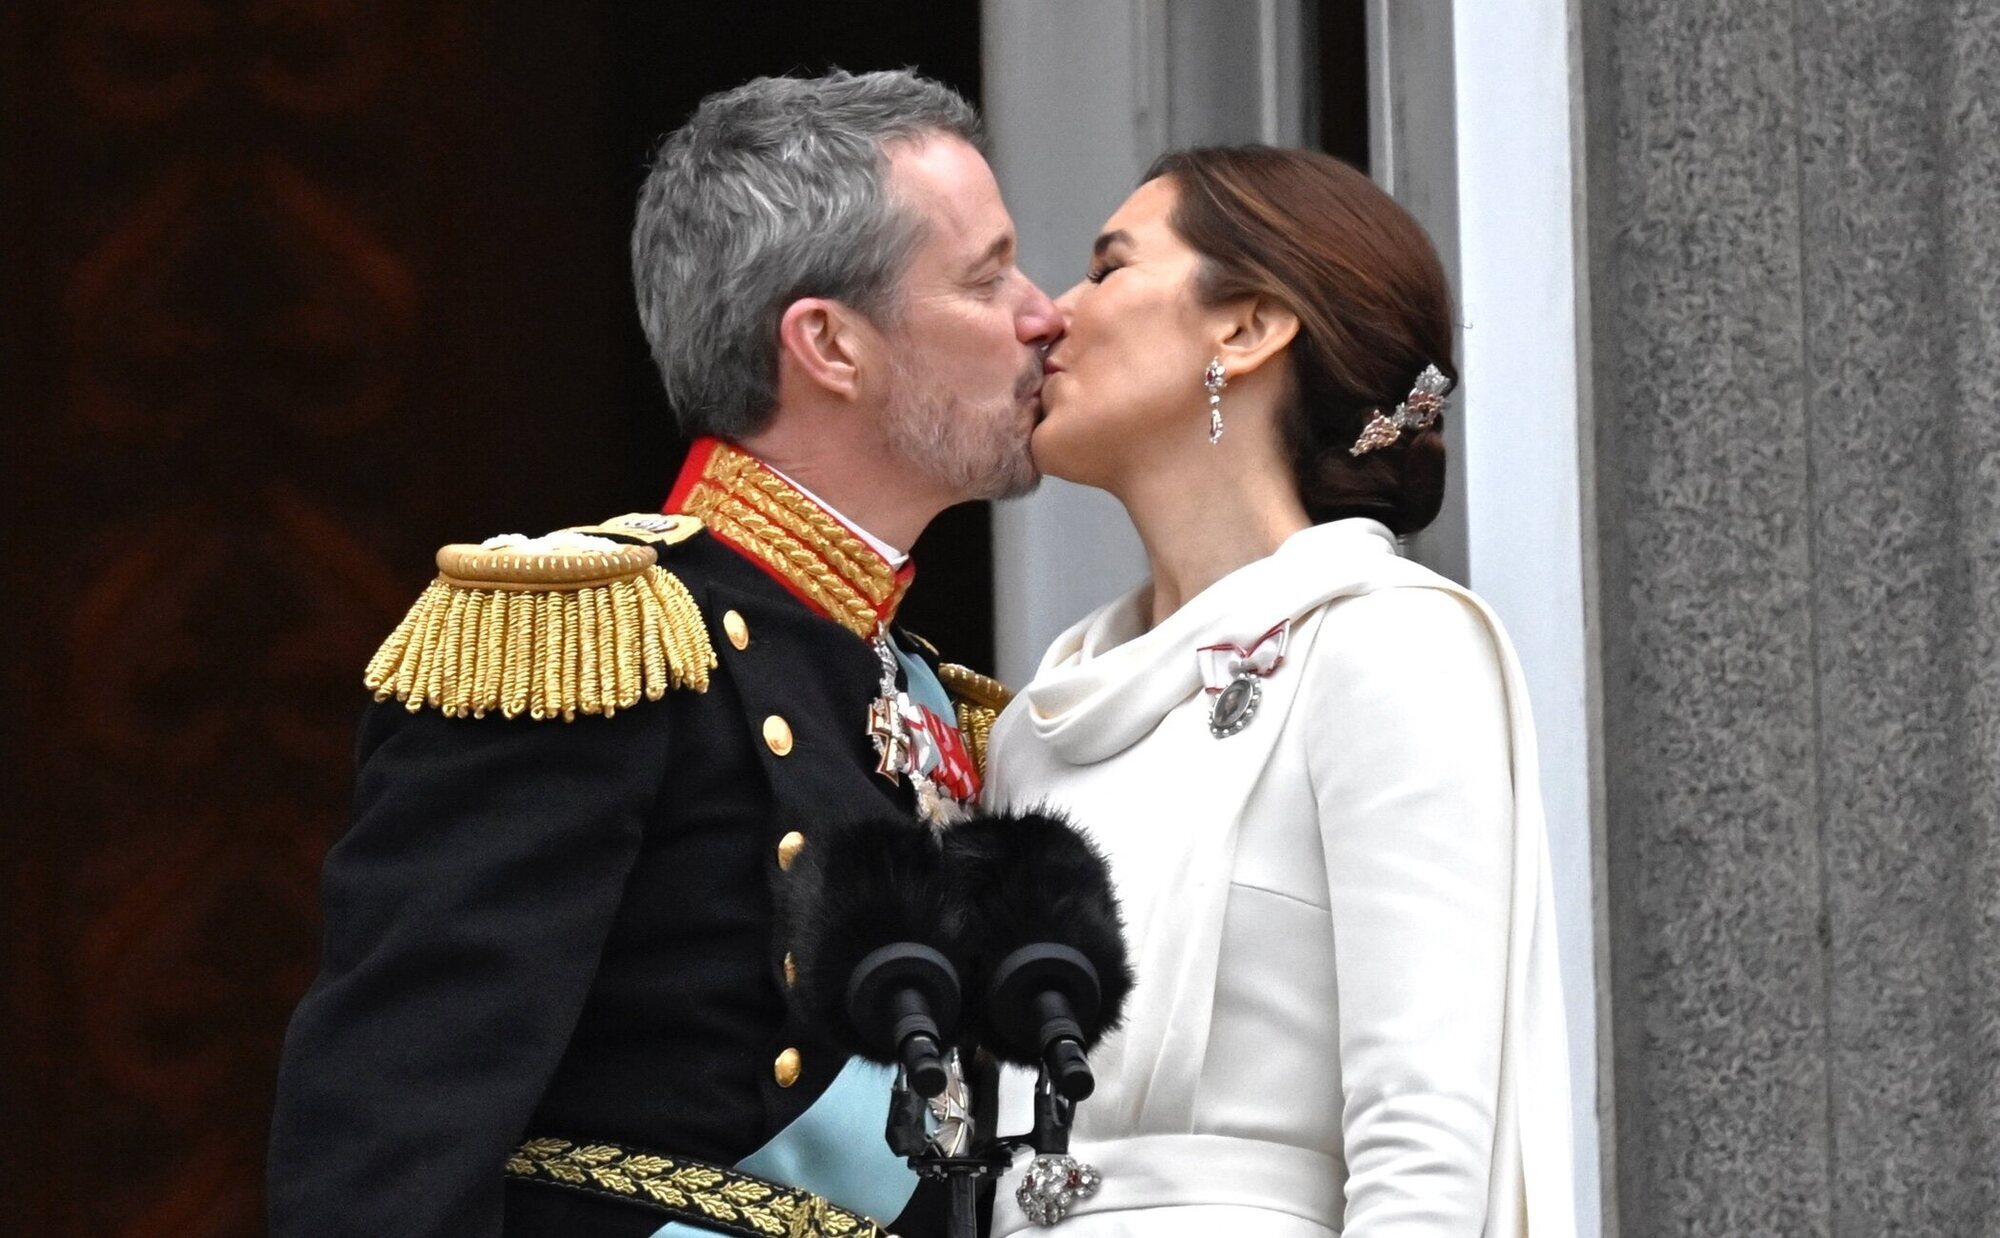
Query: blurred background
293, 291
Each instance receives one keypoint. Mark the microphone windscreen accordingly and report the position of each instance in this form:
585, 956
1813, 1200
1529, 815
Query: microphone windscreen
857, 886
1024, 878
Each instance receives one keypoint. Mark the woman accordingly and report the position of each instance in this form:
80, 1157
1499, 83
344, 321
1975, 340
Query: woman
1308, 760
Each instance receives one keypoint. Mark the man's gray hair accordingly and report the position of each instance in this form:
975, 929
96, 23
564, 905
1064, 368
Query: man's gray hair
770, 192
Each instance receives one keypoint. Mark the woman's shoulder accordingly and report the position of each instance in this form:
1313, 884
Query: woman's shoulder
1420, 629
1410, 602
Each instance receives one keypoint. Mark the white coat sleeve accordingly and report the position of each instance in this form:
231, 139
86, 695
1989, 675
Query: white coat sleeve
1408, 744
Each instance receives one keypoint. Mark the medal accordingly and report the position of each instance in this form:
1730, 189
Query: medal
886, 724
1235, 706
914, 740
1232, 674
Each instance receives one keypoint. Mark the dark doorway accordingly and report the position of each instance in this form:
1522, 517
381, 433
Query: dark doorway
607, 89
292, 297
1342, 35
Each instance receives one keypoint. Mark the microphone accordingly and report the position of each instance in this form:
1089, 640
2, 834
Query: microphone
1043, 939
872, 934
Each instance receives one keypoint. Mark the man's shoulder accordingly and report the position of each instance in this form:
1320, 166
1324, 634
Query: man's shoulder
587, 620
967, 687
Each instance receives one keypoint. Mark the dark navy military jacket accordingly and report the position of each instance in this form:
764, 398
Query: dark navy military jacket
566, 929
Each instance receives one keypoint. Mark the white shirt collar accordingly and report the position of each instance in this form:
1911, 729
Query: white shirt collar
897, 558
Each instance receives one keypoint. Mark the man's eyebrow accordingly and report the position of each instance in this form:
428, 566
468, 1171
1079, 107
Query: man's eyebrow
1120, 237
1002, 246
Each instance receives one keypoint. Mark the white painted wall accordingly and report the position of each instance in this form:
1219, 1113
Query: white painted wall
1524, 465
1076, 109
1082, 94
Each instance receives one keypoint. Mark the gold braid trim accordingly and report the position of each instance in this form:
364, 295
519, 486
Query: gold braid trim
978, 700
966, 684
707, 1196
745, 476
795, 562
752, 507
549, 636
863, 568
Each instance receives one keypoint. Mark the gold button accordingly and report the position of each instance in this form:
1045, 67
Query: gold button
786, 1069
789, 847
778, 735
791, 970
736, 630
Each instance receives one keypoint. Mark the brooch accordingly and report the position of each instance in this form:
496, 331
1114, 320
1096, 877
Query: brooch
1231, 674
1051, 1184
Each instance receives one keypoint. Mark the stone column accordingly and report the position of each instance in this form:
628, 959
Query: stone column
1796, 213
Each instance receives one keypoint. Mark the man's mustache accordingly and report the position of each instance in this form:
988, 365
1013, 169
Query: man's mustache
1030, 382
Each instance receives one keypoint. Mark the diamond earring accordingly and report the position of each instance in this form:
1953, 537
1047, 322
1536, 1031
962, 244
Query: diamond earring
1213, 379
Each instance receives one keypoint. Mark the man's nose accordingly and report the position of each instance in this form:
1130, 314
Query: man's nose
1039, 321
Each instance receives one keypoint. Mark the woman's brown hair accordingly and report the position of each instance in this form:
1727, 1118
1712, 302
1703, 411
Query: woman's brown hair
1374, 308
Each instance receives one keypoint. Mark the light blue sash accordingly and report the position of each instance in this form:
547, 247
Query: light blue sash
835, 1149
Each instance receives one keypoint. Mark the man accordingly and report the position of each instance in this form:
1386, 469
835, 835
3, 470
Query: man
553, 992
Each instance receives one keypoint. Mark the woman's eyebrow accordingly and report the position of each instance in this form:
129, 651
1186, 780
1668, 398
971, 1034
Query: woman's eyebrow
1109, 239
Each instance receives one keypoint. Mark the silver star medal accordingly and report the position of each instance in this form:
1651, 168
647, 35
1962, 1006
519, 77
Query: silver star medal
952, 1110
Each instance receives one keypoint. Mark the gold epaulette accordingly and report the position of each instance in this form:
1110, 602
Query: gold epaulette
567, 625
979, 700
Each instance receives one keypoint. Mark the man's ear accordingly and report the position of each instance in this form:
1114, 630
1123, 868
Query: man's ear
1258, 329
823, 340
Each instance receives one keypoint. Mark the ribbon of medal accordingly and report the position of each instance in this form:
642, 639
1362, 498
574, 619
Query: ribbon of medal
1231, 673
915, 741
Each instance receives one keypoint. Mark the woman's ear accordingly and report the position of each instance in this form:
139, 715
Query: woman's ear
821, 341
1258, 330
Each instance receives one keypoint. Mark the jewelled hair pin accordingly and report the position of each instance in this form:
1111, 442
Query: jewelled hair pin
1418, 411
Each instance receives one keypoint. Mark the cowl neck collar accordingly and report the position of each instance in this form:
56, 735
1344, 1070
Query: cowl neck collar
1108, 681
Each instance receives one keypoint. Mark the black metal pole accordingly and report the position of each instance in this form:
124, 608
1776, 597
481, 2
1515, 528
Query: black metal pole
964, 1205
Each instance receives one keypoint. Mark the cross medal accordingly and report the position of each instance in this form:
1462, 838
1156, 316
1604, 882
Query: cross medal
886, 723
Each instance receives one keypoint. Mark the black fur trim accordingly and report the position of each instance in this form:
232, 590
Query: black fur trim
1026, 877
857, 886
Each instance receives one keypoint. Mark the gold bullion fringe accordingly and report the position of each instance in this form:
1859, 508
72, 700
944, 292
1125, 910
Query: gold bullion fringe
975, 723
978, 700
545, 653
707, 1196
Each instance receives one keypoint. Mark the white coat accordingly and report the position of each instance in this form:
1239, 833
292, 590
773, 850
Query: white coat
1347, 1017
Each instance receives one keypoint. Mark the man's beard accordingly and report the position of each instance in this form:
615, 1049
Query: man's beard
975, 451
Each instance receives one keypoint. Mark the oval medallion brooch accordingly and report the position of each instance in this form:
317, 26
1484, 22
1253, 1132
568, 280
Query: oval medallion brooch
1235, 706
1234, 674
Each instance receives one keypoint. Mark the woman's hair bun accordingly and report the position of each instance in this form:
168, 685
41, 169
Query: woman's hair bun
1311, 233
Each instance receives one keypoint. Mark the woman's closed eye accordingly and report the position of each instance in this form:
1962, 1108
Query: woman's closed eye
1097, 273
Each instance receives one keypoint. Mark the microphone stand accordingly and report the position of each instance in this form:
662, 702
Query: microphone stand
1040, 996
989, 1157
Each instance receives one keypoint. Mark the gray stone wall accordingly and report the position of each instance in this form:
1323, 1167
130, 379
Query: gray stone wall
1795, 221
